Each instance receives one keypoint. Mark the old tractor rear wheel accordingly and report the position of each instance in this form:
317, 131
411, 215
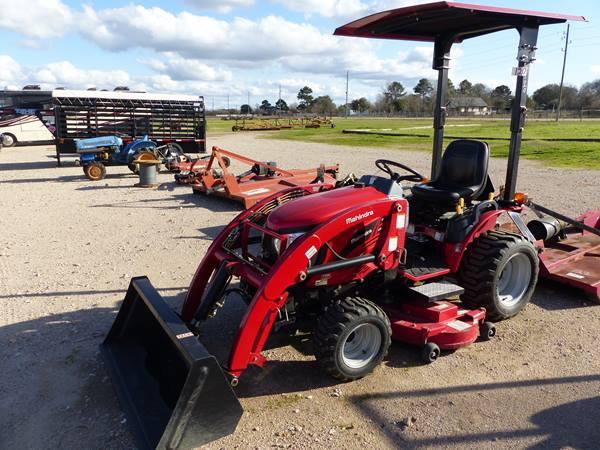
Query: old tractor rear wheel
351, 338
143, 155
95, 171
499, 271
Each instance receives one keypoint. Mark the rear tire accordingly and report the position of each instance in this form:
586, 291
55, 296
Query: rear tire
351, 338
94, 171
499, 272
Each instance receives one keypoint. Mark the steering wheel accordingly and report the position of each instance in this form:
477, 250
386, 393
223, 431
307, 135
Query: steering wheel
386, 166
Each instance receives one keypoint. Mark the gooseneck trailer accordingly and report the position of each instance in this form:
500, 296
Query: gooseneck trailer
163, 118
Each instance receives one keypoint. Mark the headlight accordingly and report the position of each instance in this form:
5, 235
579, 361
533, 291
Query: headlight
290, 238
277, 245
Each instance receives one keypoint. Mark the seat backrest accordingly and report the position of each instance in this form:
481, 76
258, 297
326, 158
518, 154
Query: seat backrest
464, 164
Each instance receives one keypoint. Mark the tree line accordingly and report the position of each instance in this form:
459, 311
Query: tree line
307, 103
394, 99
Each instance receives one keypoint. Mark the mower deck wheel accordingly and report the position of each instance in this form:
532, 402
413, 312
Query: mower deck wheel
487, 330
430, 352
499, 272
351, 338
94, 171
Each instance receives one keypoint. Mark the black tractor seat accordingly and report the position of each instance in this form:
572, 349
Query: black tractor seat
464, 173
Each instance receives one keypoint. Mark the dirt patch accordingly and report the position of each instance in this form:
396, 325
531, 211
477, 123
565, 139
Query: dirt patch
69, 247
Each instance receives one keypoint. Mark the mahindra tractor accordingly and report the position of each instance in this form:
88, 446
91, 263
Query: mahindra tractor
386, 258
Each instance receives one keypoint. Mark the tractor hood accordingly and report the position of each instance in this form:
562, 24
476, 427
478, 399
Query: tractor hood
307, 212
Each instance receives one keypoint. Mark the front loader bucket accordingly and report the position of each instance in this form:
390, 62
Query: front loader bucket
173, 391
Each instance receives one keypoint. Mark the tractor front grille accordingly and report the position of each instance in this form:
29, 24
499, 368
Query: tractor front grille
259, 216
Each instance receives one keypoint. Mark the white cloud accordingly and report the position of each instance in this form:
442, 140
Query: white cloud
10, 73
197, 42
226, 56
595, 69
243, 43
202, 37
363, 63
35, 19
222, 6
344, 9
64, 73
61, 73
181, 69
326, 8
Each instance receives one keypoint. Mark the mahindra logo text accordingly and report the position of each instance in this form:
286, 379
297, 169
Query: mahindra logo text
359, 217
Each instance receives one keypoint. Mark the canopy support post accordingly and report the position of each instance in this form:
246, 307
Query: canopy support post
525, 56
441, 63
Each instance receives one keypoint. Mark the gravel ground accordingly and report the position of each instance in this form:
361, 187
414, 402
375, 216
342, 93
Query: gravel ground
69, 247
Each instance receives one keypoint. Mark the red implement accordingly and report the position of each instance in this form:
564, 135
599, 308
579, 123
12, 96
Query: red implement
574, 259
260, 181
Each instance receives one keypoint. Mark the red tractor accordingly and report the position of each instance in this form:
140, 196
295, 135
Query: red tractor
379, 260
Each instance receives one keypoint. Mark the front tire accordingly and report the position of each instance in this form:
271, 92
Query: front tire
499, 272
351, 338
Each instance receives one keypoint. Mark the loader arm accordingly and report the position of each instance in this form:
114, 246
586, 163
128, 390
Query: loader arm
291, 268
216, 254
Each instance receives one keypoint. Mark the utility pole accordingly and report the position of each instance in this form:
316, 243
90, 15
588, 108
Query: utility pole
248, 98
228, 112
213, 103
279, 92
562, 77
347, 80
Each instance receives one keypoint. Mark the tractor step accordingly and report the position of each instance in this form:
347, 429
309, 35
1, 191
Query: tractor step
435, 291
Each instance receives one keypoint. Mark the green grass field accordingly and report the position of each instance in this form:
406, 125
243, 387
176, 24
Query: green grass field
553, 153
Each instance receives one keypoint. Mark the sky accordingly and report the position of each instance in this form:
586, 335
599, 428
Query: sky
232, 51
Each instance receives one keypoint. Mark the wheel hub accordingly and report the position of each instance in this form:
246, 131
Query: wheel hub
514, 279
95, 172
361, 346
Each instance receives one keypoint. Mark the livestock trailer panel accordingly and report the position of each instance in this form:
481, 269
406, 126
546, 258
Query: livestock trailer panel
163, 118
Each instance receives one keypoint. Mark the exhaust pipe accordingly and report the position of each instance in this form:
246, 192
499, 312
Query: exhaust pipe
173, 391
546, 227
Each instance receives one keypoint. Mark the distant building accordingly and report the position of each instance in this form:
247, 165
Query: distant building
468, 105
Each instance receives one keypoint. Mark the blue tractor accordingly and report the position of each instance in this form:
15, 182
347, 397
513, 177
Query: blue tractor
99, 152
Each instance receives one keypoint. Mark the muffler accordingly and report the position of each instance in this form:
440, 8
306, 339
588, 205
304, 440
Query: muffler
545, 227
173, 391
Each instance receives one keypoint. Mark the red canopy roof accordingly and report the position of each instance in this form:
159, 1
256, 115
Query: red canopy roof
426, 22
